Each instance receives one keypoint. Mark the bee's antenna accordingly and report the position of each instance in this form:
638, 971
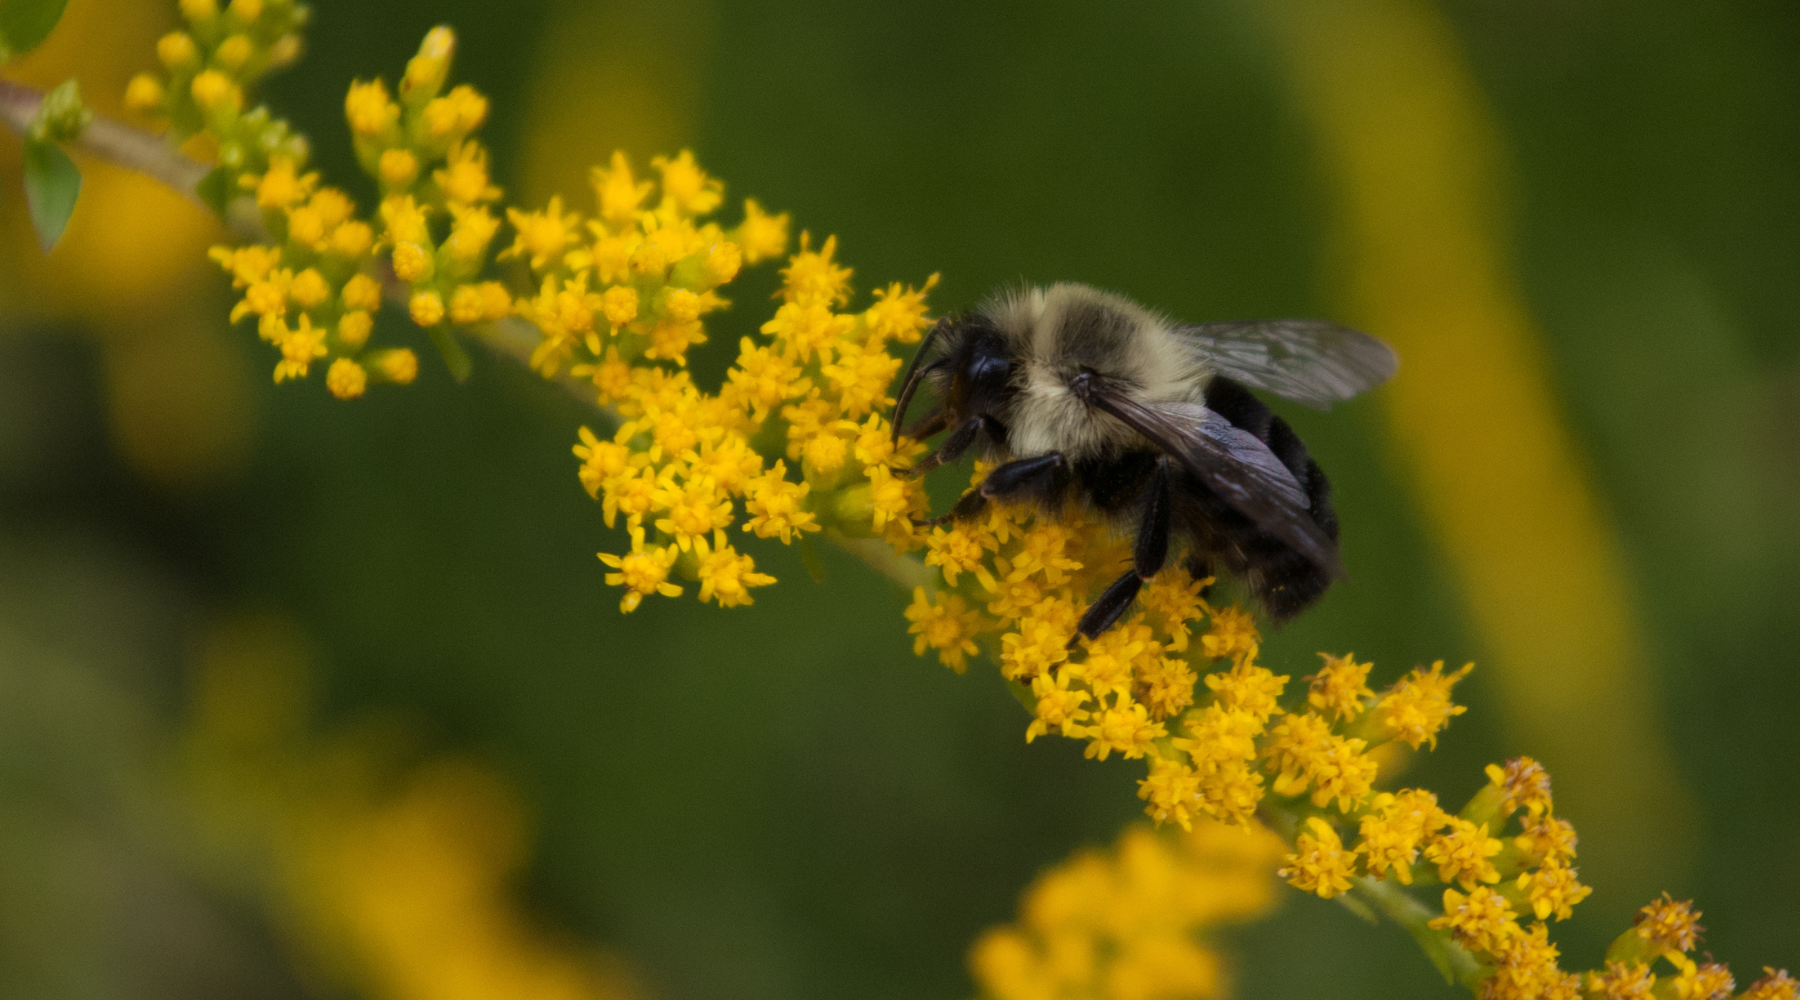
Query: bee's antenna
914, 374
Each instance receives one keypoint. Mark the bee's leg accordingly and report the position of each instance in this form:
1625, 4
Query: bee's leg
1013, 480
928, 424
959, 441
1147, 558
970, 505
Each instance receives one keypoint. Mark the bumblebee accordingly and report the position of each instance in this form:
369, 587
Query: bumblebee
1085, 397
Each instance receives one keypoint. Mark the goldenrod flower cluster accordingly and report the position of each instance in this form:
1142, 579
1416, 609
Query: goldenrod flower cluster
794, 441
207, 70
1125, 922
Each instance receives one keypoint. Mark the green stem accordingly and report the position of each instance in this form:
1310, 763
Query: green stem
1386, 896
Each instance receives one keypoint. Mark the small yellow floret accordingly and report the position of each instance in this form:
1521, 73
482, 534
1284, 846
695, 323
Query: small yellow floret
370, 111
398, 168
1419, 705
177, 52
1481, 921
361, 292
761, 236
399, 366
412, 264
1669, 925
215, 92
946, 625
346, 379
144, 94
642, 571
1319, 864
427, 309
354, 329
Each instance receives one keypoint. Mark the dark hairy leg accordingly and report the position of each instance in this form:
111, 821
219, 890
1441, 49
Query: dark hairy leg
1147, 558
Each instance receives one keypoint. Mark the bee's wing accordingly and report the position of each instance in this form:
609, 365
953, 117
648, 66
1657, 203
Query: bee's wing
1235, 464
1307, 361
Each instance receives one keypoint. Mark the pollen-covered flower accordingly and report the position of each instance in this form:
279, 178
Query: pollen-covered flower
1394, 828
1462, 852
1419, 705
1669, 925
1622, 981
1480, 921
1319, 864
1553, 890
642, 571
725, 574
946, 625
1340, 687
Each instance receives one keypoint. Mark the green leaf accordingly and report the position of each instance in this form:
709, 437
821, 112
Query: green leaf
215, 190
24, 24
51, 183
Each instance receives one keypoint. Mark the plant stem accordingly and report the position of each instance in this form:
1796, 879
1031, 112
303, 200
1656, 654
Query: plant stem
112, 141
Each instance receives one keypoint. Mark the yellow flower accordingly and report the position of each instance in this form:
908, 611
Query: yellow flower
369, 110
618, 193
892, 498
397, 169
685, 187
361, 292
898, 313
1248, 687
1553, 890
1703, 981
1059, 706
1526, 785
813, 278
1232, 634
1419, 705
761, 236
860, 378
1526, 970
1039, 643
1622, 981
1669, 925
1775, 985
1394, 827
642, 571
144, 94
1462, 852
404, 221
455, 115
300, 346
946, 625
726, 575
1547, 838
695, 510
427, 309
541, 236
775, 506
959, 549
601, 461
1125, 727
216, 93
1319, 864
399, 366
464, 178
346, 379
281, 186
1481, 921
354, 329
1338, 689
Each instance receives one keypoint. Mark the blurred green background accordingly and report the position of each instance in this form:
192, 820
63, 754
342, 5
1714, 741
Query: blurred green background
781, 801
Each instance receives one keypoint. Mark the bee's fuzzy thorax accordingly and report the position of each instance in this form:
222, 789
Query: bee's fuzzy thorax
1060, 331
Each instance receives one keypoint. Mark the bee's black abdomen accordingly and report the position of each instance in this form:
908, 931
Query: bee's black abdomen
1285, 581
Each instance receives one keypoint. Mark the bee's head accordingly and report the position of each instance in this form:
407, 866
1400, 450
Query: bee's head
967, 363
